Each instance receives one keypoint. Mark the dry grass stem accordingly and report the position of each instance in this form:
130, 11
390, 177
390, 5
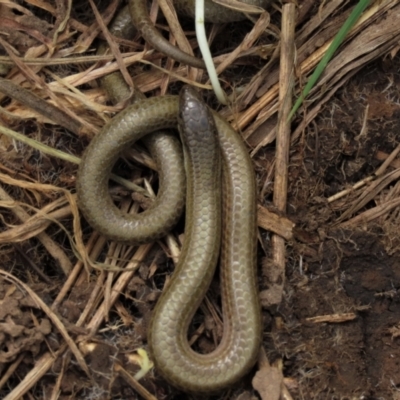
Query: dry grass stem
277, 224
369, 215
287, 65
119, 285
133, 382
332, 319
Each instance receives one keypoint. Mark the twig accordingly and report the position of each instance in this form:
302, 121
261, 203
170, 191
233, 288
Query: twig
272, 222
283, 132
133, 382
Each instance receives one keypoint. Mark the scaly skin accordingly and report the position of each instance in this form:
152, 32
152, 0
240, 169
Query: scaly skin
173, 357
163, 146
205, 215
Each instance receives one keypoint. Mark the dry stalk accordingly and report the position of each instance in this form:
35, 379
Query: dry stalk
283, 135
371, 214
118, 287
272, 222
133, 382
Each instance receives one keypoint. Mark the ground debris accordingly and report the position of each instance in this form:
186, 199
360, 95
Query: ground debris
19, 332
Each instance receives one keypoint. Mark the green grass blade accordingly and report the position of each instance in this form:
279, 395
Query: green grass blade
337, 41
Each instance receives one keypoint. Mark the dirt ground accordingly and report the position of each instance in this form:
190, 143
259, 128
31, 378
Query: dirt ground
336, 333
339, 270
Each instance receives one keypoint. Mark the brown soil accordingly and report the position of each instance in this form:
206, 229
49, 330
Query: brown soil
348, 275
343, 270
